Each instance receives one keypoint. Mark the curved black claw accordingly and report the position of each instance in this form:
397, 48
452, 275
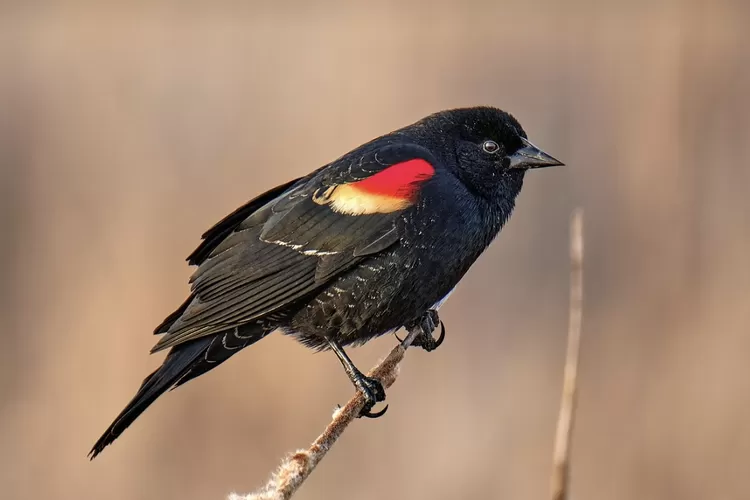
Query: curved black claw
430, 344
373, 391
428, 324
369, 414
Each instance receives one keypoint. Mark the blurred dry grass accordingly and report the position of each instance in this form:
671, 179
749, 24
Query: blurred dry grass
127, 129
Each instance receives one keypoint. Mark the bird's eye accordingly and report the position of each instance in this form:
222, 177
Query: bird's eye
490, 147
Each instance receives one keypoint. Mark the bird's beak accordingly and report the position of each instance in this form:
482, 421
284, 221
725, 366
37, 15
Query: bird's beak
530, 156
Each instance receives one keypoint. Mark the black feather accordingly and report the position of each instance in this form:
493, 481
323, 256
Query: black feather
225, 226
175, 366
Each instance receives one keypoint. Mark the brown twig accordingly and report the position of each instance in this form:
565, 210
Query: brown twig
297, 467
561, 456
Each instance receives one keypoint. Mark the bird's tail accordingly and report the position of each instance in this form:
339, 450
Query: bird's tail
175, 366
183, 363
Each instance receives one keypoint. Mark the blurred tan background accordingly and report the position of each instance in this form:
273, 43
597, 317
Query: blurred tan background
127, 129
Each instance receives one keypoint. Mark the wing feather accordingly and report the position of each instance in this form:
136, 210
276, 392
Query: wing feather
225, 226
292, 240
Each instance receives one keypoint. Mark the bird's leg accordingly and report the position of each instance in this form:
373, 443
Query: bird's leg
370, 388
427, 323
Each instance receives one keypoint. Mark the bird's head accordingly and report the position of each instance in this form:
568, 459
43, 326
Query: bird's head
485, 147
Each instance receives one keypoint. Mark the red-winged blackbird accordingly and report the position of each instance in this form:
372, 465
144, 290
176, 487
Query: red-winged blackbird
370, 243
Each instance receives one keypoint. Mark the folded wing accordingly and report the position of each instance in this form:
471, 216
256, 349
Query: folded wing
271, 254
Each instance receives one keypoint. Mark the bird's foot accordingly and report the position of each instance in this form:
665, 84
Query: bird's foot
427, 342
371, 388
427, 324
373, 392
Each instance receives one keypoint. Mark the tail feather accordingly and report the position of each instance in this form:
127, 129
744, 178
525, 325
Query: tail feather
183, 363
175, 366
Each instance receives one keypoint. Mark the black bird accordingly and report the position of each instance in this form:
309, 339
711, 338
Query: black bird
372, 242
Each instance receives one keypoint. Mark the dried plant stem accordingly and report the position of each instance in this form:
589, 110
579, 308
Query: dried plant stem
561, 456
297, 467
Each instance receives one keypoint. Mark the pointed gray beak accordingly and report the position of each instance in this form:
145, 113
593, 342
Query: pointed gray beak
530, 156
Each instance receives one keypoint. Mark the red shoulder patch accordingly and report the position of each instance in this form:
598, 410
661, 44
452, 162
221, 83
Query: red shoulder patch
391, 189
399, 181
